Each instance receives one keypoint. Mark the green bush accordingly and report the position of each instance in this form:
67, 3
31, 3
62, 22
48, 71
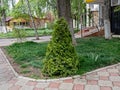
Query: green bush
76, 30
50, 25
61, 58
20, 34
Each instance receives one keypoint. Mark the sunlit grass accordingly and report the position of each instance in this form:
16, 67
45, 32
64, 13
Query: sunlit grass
29, 33
93, 53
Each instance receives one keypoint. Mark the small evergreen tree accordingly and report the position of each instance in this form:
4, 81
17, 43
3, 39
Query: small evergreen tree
61, 58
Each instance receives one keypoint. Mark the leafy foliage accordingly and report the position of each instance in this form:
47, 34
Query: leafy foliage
20, 34
20, 10
117, 8
78, 10
61, 58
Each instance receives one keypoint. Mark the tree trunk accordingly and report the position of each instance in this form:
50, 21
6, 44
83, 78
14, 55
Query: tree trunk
13, 3
3, 17
33, 23
64, 10
107, 27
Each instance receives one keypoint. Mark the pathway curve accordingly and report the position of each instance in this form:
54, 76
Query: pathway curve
103, 79
6, 42
6, 73
107, 78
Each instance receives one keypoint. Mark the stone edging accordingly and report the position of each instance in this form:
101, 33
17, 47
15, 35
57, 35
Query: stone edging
15, 73
52, 80
107, 67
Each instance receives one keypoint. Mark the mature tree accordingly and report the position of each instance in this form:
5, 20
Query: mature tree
20, 10
107, 19
38, 7
3, 14
13, 3
78, 10
33, 23
51, 4
64, 10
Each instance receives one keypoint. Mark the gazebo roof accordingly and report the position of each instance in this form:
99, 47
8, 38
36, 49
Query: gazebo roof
8, 18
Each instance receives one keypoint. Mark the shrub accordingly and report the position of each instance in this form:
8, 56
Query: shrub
50, 25
20, 34
61, 58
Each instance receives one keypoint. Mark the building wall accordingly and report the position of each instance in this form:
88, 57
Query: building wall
26, 23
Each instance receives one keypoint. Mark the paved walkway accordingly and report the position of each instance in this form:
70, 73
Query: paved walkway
107, 78
103, 79
6, 42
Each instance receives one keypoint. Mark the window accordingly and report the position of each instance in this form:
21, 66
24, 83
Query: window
115, 2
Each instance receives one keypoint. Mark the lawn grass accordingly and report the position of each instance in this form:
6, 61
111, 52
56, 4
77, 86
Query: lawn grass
97, 52
93, 53
28, 53
29, 33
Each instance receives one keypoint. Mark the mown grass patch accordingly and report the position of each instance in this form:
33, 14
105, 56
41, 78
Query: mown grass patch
29, 33
28, 53
93, 53
96, 52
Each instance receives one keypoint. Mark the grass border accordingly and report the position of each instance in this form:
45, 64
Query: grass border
51, 80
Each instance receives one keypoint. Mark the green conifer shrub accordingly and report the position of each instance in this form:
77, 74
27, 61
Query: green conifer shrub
61, 58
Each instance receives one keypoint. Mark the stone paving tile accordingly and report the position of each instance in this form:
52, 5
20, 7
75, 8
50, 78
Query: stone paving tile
92, 87
92, 77
80, 81
68, 81
5, 86
6, 73
83, 77
116, 88
22, 82
31, 83
104, 79
104, 83
92, 82
38, 88
26, 87
78, 87
113, 70
54, 85
13, 81
118, 67
103, 73
42, 85
114, 78
114, 74
52, 89
15, 87
116, 83
105, 88
66, 86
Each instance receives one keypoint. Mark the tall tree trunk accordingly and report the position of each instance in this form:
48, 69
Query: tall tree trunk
107, 27
33, 23
64, 10
3, 17
13, 3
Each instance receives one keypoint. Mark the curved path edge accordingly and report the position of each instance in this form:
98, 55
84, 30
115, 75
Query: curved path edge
107, 78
